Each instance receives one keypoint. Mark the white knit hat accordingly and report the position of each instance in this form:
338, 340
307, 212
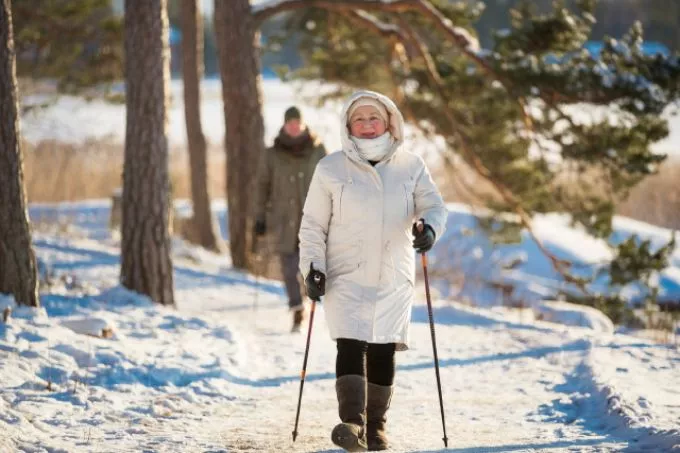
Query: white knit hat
379, 106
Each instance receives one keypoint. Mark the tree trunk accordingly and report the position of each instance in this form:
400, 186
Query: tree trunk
202, 231
17, 260
238, 43
146, 264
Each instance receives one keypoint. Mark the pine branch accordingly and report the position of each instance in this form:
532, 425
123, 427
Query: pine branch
460, 36
465, 43
397, 43
422, 49
560, 266
384, 29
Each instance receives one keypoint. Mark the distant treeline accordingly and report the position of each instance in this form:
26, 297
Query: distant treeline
660, 20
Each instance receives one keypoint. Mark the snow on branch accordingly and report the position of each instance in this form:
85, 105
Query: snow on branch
382, 27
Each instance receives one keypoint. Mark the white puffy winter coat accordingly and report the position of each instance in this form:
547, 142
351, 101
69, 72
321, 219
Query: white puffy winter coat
356, 228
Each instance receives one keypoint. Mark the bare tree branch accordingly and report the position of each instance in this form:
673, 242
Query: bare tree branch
460, 36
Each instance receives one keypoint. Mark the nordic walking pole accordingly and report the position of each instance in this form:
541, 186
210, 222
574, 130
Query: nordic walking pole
317, 279
254, 250
434, 341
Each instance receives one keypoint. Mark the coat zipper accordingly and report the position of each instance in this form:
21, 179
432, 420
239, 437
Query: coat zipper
406, 200
342, 190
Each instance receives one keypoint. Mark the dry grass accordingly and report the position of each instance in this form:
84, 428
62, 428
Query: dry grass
656, 200
458, 183
56, 171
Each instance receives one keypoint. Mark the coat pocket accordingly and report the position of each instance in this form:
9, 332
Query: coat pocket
337, 195
409, 201
343, 257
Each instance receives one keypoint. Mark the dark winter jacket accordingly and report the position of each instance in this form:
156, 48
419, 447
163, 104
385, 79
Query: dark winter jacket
283, 178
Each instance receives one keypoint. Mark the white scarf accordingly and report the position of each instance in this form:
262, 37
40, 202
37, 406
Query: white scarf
374, 149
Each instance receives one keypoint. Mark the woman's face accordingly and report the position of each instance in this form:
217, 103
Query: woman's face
366, 122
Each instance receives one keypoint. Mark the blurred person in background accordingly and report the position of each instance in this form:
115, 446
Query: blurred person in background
368, 207
283, 178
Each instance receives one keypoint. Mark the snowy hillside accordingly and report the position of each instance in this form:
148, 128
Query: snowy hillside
74, 120
221, 373
527, 269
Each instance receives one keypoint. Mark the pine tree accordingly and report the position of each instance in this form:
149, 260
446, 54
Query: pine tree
202, 230
146, 263
237, 39
76, 43
17, 260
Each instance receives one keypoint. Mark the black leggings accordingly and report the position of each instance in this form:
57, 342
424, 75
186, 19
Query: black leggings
375, 361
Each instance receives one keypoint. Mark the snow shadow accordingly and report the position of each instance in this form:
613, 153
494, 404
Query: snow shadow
520, 447
453, 316
59, 305
153, 376
185, 278
600, 410
85, 257
537, 353
578, 345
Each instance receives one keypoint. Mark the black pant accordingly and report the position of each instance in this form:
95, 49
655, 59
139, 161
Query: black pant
289, 269
375, 361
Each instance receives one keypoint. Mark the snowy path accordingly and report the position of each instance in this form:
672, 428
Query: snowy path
507, 386
217, 375
497, 383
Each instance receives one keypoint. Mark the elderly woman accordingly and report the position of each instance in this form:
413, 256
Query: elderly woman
356, 238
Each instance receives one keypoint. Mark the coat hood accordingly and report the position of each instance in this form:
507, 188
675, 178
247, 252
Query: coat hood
395, 126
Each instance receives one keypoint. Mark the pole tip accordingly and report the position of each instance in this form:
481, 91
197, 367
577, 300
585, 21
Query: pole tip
446, 442
294, 435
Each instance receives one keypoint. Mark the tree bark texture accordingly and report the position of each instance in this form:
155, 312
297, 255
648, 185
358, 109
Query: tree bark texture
146, 263
238, 51
202, 230
17, 260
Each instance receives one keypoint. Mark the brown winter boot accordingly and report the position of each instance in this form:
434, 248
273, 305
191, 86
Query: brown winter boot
377, 403
351, 433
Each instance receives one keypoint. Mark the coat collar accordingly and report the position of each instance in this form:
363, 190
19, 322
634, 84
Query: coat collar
296, 146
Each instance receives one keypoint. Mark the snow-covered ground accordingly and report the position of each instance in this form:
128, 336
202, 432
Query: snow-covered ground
221, 372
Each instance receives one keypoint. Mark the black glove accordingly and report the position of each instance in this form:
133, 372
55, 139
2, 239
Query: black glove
260, 228
424, 240
316, 283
